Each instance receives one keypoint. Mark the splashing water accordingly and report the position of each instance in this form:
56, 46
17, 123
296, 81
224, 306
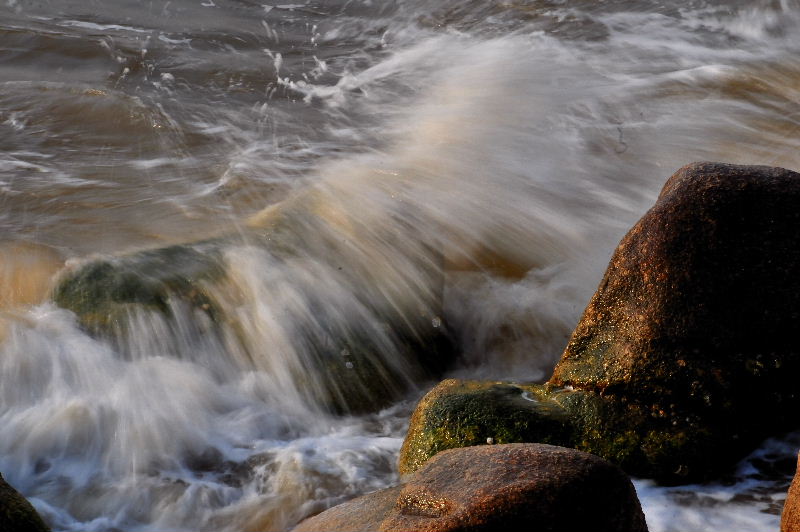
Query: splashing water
467, 167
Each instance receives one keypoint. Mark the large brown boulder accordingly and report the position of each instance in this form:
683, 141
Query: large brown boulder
495, 487
16, 513
689, 345
687, 356
790, 518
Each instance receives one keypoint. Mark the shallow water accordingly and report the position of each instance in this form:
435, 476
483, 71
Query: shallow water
521, 139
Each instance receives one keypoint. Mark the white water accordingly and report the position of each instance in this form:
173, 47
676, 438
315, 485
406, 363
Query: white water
522, 148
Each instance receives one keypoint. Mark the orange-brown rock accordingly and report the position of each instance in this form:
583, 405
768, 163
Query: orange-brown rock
688, 353
495, 487
790, 518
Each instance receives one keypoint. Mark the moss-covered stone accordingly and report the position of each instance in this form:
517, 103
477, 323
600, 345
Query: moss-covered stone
102, 293
16, 513
346, 362
465, 413
690, 335
640, 439
643, 439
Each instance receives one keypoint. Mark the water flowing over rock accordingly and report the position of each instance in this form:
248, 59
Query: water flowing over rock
685, 357
16, 513
517, 487
346, 316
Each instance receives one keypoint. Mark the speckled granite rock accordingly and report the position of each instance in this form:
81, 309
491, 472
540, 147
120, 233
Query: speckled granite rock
495, 487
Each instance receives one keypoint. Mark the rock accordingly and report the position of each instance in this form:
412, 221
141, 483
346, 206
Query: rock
16, 513
687, 353
362, 514
352, 320
464, 413
790, 518
686, 357
104, 292
514, 486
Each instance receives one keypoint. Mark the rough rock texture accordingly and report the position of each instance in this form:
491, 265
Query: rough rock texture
464, 413
495, 487
687, 356
16, 513
790, 518
689, 346
363, 514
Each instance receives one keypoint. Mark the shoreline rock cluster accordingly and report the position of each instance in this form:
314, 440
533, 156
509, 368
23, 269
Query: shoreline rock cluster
683, 361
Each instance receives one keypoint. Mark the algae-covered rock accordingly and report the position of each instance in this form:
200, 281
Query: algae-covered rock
497, 487
686, 357
469, 413
346, 326
644, 440
16, 513
103, 292
465, 413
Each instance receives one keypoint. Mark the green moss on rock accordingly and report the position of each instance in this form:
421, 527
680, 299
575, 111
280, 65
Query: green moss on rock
345, 363
465, 413
642, 440
102, 293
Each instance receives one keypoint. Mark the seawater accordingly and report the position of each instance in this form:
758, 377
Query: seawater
519, 138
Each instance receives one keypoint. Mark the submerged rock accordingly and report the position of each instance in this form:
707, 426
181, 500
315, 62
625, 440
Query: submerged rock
686, 356
790, 518
340, 315
495, 487
104, 292
16, 513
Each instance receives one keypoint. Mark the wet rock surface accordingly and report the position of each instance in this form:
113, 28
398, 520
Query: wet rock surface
103, 293
355, 347
516, 486
687, 351
16, 513
463, 413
